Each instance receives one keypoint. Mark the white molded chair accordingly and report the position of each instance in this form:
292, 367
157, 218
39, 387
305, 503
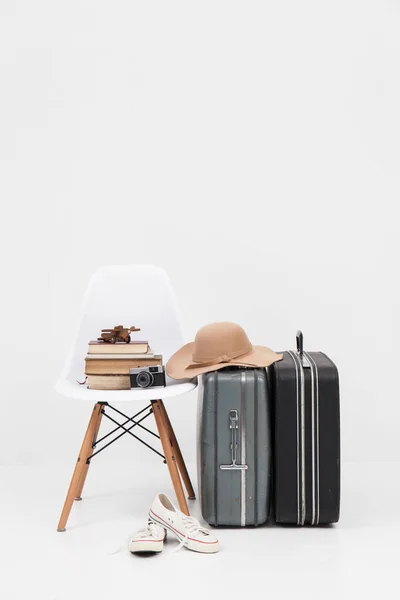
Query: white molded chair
139, 295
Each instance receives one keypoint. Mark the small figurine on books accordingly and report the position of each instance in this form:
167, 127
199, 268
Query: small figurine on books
117, 334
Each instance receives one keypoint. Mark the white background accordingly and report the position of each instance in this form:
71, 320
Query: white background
249, 148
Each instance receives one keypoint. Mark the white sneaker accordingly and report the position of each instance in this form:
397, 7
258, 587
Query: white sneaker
187, 529
149, 539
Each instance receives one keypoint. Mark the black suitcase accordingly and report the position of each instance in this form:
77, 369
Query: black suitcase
306, 438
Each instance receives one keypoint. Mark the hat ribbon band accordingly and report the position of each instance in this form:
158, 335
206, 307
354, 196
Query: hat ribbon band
220, 359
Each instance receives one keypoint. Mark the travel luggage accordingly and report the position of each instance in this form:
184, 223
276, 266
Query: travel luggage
306, 438
234, 446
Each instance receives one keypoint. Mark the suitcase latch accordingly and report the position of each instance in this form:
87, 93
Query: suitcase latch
233, 426
233, 419
305, 362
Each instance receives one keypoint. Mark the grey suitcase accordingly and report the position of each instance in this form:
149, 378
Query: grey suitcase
234, 446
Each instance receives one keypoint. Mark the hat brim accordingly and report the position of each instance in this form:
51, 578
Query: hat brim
180, 365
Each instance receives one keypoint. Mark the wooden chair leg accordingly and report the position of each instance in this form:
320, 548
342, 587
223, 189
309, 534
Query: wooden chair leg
178, 454
81, 484
85, 452
170, 457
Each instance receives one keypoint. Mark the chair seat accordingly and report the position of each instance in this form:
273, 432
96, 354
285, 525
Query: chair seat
81, 392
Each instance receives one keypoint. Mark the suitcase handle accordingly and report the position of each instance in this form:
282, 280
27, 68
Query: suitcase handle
233, 426
299, 342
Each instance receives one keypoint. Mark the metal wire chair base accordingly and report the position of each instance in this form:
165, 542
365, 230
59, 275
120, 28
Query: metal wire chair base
136, 423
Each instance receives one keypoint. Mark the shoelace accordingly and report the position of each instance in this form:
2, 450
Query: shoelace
150, 530
192, 527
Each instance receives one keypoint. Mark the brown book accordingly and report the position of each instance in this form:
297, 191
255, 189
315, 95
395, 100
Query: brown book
118, 348
109, 382
119, 366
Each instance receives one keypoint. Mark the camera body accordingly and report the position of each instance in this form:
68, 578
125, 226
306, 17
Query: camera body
145, 377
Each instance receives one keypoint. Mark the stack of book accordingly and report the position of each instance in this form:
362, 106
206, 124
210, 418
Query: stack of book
107, 365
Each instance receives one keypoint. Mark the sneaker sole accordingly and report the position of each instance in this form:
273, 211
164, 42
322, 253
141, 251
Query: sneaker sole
147, 547
191, 544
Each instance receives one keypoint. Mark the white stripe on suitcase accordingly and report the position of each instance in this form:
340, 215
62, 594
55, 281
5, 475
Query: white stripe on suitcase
301, 494
298, 438
312, 444
315, 436
301, 479
301, 504
243, 449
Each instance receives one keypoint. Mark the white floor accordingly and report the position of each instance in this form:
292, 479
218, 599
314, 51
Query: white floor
356, 558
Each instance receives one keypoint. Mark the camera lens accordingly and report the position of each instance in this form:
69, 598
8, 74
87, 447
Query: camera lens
144, 379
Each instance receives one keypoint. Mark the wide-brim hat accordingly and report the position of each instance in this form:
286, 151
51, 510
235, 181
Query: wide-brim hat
216, 346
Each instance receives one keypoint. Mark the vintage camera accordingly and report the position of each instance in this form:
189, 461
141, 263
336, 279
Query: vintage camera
144, 377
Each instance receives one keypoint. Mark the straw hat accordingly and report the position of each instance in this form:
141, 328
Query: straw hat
216, 346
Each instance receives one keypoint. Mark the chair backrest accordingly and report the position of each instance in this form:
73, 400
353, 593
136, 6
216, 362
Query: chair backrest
139, 295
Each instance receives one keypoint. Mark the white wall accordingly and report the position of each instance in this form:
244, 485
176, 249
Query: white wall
250, 148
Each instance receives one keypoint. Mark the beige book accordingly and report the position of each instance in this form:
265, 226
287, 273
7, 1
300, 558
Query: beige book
107, 366
109, 382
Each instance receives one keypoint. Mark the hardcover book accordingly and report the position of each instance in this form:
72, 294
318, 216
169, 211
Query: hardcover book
118, 348
118, 366
109, 382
